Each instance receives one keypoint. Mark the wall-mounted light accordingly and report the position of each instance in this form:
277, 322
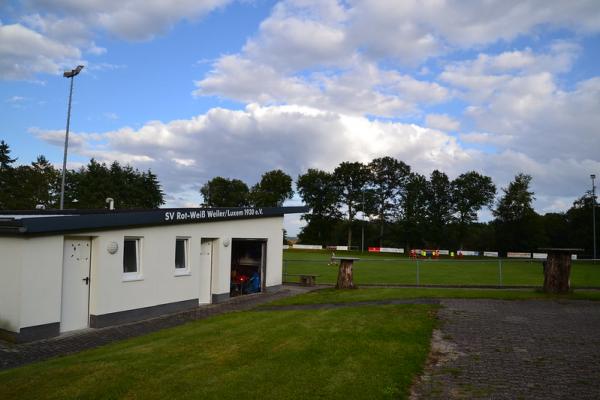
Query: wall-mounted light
112, 247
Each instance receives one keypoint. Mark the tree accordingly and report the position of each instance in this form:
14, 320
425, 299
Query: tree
580, 225
439, 206
42, 183
414, 207
518, 227
5, 160
351, 178
6, 175
272, 190
516, 202
89, 187
223, 192
388, 183
320, 193
470, 192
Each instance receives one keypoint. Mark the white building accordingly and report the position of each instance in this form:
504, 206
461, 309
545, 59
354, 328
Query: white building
62, 271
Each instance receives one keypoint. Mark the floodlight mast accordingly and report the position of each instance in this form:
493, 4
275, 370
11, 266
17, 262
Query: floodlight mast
68, 74
593, 176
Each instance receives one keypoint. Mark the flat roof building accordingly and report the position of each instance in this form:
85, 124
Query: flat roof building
67, 270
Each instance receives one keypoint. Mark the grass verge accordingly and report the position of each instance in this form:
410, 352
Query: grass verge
350, 353
325, 296
399, 269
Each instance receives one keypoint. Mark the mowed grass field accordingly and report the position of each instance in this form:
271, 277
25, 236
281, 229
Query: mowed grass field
373, 268
362, 352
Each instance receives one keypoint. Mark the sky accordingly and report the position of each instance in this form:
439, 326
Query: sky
194, 89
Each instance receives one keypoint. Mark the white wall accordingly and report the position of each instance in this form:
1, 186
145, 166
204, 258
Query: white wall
31, 269
158, 284
10, 283
41, 280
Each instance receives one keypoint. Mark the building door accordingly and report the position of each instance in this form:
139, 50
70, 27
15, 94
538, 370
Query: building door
206, 270
75, 284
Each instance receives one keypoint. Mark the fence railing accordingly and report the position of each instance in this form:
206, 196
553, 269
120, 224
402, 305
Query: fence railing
501, 272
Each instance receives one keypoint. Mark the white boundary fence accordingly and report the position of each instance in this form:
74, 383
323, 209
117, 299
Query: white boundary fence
465, 253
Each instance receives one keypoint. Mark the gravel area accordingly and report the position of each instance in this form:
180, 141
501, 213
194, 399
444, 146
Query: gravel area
496, 349
14, 355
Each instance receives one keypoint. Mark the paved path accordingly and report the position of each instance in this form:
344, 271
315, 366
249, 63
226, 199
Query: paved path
494, 349
13, 355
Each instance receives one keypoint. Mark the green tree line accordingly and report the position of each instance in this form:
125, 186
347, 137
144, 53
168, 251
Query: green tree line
392, 204
398, 207
25, 187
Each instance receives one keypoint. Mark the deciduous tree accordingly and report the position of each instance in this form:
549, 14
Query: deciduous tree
273, 189
388, 184
439, 206
471, 191
320, 193
351, 178
223, 192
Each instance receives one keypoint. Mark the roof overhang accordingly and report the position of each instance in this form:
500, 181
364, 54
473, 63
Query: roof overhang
46, 222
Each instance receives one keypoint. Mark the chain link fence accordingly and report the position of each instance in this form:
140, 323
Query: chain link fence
499, 272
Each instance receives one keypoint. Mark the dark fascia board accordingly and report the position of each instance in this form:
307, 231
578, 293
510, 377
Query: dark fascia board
90, 220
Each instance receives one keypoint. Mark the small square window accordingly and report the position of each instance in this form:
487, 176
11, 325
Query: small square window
131, 256
181, 261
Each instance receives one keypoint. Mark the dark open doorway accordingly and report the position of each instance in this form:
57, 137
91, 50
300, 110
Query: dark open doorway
247, 266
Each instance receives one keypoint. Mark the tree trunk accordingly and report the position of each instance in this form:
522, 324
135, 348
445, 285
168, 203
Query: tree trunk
349, 232
381, 232
344, 280
557, 270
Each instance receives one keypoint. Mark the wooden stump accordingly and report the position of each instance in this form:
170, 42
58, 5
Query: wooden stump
557, 271
345, 280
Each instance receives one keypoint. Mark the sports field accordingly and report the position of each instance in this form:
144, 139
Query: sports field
397, 269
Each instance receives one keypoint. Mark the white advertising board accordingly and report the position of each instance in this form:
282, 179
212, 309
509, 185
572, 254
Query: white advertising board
307, 246
515, 254
390, 250
490, 254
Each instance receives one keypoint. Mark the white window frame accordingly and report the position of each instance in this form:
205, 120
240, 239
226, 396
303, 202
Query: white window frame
186, 254
137, 275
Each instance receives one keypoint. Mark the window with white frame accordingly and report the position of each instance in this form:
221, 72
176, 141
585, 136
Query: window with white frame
181, 255
131, 257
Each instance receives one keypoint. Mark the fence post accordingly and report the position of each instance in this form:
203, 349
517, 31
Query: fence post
418, 272
500, 270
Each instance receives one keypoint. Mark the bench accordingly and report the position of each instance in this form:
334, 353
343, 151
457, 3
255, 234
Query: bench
306, 279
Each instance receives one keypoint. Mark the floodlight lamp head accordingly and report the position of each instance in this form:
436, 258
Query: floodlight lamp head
74, 72
593, 176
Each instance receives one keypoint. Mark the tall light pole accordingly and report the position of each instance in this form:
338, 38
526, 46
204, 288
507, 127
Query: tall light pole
68, 74
362, 239
594, 211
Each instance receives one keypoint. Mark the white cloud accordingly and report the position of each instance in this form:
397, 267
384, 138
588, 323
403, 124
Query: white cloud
412, 31
55, 33
442, 121
128, 19
16, 99
24, 52
361, 89
244, 144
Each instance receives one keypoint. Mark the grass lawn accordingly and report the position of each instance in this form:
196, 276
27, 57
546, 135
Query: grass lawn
347, 353
326, 296
395, 269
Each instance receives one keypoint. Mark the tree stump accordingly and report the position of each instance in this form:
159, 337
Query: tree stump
557, 270
345, 276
